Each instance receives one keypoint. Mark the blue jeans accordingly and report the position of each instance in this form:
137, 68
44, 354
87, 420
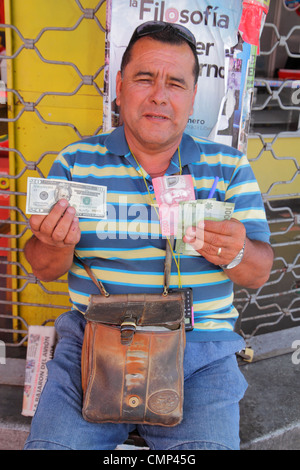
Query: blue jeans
213, 388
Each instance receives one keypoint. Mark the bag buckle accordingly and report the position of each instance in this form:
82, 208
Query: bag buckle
128, 328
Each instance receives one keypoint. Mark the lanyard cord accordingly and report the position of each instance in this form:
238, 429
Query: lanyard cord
179, 160
177, 262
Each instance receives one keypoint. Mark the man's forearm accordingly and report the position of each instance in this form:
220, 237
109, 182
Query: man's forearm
220, 242
254, 270
48, 262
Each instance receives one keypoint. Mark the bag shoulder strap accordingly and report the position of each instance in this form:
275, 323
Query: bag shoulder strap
93, 277
168, 263
167, 270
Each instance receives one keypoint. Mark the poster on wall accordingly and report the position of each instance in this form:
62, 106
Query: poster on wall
222, 104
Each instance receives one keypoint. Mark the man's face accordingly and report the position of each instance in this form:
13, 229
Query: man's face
156, 94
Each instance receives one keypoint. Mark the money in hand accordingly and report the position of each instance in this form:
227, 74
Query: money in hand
193, 212
89, 200
169, 192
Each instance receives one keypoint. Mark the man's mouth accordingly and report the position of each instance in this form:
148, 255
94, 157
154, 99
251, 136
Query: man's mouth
159, 117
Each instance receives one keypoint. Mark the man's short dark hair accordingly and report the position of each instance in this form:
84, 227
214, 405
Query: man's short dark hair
168, 36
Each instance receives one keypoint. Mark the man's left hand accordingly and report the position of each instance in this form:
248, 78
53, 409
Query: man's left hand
218, 242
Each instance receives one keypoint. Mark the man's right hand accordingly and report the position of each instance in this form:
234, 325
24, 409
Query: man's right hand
50, 251
60, 228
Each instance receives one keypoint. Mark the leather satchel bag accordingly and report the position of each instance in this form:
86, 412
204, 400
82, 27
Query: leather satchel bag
132, 357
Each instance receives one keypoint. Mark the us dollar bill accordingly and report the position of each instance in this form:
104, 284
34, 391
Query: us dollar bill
193, 212
89, 200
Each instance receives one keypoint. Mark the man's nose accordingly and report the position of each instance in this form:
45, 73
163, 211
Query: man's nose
159, 94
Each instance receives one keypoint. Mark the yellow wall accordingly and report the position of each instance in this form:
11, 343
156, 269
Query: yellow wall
83, 46
278, 166
27, 73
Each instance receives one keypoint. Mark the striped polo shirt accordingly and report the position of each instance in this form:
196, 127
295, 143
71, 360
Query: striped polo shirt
126, 251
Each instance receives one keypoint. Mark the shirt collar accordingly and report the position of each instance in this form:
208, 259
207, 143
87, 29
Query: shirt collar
189, 150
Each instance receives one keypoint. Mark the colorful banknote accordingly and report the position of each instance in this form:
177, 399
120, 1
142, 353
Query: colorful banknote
169, 192
193, 212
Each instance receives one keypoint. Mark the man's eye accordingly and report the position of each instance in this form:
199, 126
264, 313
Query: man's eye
176, 85
144, 80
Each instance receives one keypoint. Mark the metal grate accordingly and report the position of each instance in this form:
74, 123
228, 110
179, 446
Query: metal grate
276, 131
274, 306
15, 275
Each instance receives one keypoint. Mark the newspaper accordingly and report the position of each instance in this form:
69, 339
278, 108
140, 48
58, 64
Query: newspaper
41, 341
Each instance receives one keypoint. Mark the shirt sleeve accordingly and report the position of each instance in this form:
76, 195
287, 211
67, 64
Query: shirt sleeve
244, 192
63, 165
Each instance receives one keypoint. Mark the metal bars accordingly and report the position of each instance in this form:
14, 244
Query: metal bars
24, 299
274, 154
45, 108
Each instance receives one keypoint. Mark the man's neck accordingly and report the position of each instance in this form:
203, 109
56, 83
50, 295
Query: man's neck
154, 162
155, 165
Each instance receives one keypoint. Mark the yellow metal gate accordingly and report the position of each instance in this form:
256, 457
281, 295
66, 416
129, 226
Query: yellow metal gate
55, 57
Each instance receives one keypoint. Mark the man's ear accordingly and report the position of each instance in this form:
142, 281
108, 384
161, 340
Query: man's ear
118, 87
195, 92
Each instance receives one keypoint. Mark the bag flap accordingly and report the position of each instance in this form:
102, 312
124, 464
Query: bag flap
143, 309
